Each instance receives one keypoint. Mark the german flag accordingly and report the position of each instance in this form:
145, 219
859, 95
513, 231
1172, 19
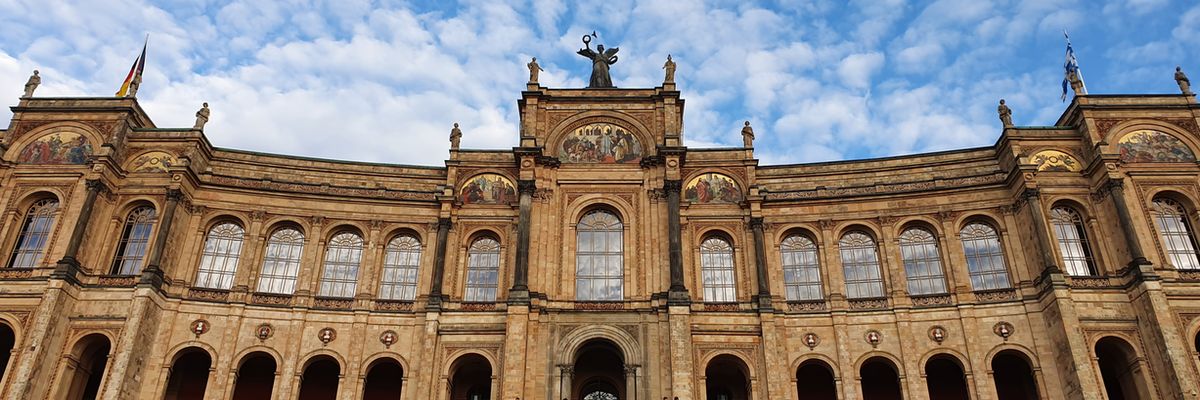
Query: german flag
136, 70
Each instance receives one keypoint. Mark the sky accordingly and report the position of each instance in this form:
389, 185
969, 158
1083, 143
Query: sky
383, 81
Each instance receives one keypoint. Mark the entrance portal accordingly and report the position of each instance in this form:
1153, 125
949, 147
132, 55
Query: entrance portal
725, 378
471, 378
255, 377
599, 372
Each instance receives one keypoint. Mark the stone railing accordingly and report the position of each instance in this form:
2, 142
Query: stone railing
996, 296
332, 303
869, 304
807, 306
393, 305
207, 294
935, 300
271, 299
117, 280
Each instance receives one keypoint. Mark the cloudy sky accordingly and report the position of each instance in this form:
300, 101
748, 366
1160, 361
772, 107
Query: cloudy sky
383, 81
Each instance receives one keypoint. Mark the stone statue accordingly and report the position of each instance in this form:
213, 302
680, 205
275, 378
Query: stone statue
747, 135
601, 59
32, 84
1076, 83
134, 84
533, 70
202, 117
1005, 114
670, 67
1184, 84
455, 137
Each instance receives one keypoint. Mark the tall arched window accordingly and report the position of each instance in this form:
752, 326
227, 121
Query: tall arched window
801, 268
281, 262
219, 261
922, 262
342, 258
1176, 233
1072, 241
401, 259
860, 263
483, 270
35, 233
716, 270
985, 257
599, 257
135, 241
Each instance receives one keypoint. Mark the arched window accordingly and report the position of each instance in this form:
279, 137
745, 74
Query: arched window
1176, 232
135, 241
599, 257
922, 262
801, 268
219, 261
35, 233
860, 263
400, 262
342, 258
985, 257
716, 269
1072, 241
281, 262
483, 270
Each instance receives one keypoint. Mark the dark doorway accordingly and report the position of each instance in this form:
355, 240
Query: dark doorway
471, 378
814, 381
945, 378
188, 377
726, 379
8, 339
255, 377
599, 372
384, 380
85, 371
880, 380
1013, 376
320, 379
1120, 370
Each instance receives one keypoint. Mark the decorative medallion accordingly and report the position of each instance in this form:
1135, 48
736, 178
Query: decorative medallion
874, 337
199, 327
154, 161
712, 188
600, 143
1153, 146
1003, 329
1055, 161
388, 338
57, 148
938, 334
327, 335
264, 331
488, 189
811, 340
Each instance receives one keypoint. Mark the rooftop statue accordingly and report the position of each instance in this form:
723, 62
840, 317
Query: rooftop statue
1005, 114
601, 59
669, 66
1185, 85
455, 137
534, 68
202, 117
32, 84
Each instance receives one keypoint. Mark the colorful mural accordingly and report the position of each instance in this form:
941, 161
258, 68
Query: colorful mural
1055, 161
712, 188
600, 143
57, 148
488, 189
1153, 146
154, 161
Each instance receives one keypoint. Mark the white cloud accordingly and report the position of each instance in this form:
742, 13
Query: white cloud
856, 69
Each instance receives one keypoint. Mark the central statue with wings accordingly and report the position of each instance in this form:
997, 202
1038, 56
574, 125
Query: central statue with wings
601, 59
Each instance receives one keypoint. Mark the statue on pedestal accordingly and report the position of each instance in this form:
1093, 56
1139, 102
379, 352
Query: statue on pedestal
747, 135
455, 137
601, 59
134, 84
1184, 84
1076, 83
1005, 114
533, 70
202, 117
32, 84
670, 67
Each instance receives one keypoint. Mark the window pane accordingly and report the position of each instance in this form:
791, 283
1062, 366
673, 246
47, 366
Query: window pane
483, 270
401, 260
860, 262
985, 258
135, 239
801, 271
342, 256
716, 268
35, 233
922, 262
281, 263
219, 259
1175, 231
1072, 241
599, 257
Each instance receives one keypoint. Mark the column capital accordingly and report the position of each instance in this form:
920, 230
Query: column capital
672, 185
174, 195
96, 185
526, 186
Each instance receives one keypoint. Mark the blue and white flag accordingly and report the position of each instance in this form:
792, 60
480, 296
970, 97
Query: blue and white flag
1071, 65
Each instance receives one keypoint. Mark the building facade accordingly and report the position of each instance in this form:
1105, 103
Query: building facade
601, 259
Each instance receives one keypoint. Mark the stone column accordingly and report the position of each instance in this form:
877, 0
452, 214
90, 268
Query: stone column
153, 274
760, 264
1042, 230
68, 266
519, 293
1116, 189
678, 293
439, 264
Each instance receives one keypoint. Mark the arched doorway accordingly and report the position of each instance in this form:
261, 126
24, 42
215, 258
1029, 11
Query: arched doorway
1013, 376
599, 372
727, 378
385, 379
945, 378
880, 379
814, 381
8, 339
188, 377
1120, 369
320, 379
85, 368
255, 377
471, 378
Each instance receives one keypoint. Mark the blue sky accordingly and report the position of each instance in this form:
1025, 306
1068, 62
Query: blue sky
383, 81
